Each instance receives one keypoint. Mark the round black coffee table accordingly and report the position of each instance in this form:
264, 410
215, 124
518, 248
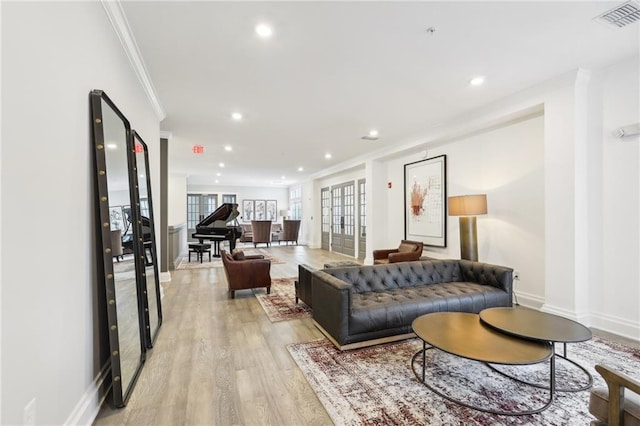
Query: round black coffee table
462, 334
542, 327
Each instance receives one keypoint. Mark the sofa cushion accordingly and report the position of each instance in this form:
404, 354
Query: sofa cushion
380, 310
599, 405
405, 248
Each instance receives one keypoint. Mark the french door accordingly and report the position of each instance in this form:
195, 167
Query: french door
362, 224
343, 204
199, 206
325, 205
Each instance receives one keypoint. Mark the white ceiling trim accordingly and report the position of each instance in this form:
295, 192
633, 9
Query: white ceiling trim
121, 27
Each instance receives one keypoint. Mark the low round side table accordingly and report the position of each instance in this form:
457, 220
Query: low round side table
542, 327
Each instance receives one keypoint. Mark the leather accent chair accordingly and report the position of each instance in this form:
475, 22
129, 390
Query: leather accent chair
261, 230
617, 404
116, 244
246, 272
408, 251
290, 231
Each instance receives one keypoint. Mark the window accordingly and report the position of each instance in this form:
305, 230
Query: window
295, 203
229, 198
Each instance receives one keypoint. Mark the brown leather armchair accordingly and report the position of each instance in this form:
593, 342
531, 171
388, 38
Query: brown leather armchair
407, 251
261, 230
613, 406
245, 272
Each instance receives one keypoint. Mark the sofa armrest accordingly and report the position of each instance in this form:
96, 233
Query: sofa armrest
487, 274
331, 304
404, 257
383, 253
304, 284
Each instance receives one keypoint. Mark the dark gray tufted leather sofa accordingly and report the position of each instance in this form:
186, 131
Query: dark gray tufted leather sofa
378, 303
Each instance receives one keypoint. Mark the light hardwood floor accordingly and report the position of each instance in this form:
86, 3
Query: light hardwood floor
219, 361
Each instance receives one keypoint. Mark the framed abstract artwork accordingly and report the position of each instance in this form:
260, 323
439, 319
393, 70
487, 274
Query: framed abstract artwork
425, 201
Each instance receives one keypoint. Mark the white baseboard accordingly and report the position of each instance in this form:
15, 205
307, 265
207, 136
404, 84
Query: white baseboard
529, 300
581, 317
616, 325
87, 409
165, 277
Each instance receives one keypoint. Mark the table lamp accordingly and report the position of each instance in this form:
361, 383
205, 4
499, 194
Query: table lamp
468, 207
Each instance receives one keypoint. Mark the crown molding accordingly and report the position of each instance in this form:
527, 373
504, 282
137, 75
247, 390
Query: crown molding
165, 134
123, 31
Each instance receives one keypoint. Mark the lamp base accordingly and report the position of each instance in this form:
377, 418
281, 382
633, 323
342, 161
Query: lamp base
468, 238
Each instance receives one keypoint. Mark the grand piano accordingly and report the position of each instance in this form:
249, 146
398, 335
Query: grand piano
219, 226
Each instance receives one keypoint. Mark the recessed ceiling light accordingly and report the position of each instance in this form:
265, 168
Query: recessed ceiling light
264, 30
228, 148
282, 177
218, 174
236, 116
327, 156
373, 133
300, 169
112, 146
477, 81
221, 164
217, 181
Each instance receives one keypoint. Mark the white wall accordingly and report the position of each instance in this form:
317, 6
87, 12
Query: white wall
507, 165
177, 194
616, 300
53, 55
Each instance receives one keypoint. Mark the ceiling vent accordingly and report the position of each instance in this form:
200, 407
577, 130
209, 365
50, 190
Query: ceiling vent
621, 15
370, 138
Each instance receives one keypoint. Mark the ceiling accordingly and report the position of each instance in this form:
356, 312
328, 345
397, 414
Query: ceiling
332, 71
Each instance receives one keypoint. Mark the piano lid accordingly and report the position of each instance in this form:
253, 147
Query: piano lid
222, 215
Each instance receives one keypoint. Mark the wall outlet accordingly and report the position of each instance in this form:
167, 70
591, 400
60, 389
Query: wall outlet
30, 413
516, 276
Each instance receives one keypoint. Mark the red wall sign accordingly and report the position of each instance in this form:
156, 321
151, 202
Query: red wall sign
198, 149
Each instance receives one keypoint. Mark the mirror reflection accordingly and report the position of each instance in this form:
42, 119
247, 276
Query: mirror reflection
151, 280
118, 236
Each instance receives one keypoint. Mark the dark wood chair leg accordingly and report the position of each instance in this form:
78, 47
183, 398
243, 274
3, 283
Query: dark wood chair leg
269, 290
233, 294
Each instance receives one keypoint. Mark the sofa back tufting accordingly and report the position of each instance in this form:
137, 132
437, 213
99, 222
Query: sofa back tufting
411, 274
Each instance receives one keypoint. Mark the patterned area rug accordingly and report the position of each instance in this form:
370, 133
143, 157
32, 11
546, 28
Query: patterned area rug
281, 305
377, 385
216, 262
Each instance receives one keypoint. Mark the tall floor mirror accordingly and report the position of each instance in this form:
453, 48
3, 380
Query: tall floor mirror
150, 278
118, 234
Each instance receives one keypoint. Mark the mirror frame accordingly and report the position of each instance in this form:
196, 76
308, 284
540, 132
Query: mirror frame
150, 335
103, 227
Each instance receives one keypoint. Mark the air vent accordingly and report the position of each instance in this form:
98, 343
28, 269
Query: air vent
621, 15
369, 138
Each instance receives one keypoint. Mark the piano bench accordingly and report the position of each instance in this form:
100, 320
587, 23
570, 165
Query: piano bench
199, 249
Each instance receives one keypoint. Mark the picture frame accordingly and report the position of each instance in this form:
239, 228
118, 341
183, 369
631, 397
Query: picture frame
117, 218
272, 210
260, 210
425, 201
248, 210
